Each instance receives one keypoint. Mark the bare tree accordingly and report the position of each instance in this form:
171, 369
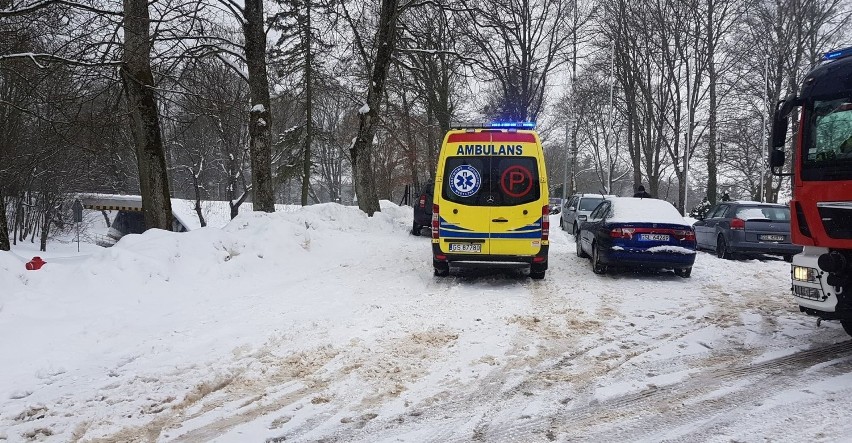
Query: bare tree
520, 43
384, 45
259, 116
138, 81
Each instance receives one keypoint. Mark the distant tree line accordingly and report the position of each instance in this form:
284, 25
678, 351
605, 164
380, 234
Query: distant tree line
347, 101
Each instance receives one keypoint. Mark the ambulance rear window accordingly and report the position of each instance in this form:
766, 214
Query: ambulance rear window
491, 180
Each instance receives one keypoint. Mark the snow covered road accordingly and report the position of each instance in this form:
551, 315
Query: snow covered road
326, 325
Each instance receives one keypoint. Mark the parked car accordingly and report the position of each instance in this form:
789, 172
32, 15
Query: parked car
642, 233
745, 227
423, 209
555, 205
579, 207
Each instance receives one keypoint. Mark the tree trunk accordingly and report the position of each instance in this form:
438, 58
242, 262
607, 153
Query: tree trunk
362, 149
145, 123
4, 226
45, 230
198, 202
411, 154
306, 168
712, 78
260, 146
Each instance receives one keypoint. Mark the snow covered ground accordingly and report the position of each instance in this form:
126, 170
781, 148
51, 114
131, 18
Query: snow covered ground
322, 324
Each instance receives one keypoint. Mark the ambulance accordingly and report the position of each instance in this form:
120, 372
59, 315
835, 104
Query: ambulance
490, 205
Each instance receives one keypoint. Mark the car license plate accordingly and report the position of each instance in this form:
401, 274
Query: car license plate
466, 247
654, 237
772, 237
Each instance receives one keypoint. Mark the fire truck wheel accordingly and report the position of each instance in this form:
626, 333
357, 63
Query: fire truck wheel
847, 326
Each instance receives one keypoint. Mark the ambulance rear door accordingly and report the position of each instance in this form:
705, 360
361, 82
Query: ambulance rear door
516, 217
464, 218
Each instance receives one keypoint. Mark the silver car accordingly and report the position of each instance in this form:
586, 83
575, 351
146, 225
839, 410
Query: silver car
577, 209
747, 228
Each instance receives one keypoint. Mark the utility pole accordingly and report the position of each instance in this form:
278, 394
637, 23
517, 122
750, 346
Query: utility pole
610, 123
568, 160
764, 154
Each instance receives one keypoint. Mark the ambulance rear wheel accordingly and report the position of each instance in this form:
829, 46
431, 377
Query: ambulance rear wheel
442, 269
847, 326
537, 271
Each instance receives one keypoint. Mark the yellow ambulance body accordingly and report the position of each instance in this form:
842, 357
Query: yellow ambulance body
491, 203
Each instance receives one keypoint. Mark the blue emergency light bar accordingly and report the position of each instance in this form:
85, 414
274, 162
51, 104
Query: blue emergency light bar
512, 125
837, 54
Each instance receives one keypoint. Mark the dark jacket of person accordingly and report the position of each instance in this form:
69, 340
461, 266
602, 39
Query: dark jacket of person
640, 193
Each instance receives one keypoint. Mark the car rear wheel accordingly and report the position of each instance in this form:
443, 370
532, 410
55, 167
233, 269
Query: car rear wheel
683, 272
580, 252
722, 248
597, 266
788, 258
574, 230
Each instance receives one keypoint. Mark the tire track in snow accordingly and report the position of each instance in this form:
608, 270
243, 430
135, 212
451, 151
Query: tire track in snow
654, 412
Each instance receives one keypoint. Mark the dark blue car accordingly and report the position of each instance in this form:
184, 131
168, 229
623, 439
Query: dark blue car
637, 232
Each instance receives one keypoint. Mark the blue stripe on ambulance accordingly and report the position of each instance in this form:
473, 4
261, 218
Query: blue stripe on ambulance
450, 230
467, 234
445, 224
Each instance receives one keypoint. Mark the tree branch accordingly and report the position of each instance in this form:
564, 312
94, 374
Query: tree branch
13, 12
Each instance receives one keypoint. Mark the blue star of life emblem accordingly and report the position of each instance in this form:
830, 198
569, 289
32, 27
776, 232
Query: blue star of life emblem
465, 181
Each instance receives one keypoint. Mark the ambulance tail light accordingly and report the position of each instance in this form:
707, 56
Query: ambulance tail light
545, 222
435, 222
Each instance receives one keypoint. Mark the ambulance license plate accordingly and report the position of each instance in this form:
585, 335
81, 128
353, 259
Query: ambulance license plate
654, 237
466, 247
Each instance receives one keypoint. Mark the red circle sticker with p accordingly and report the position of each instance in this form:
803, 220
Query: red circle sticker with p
516, 181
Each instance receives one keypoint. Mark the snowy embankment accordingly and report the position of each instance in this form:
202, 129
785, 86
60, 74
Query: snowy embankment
326, 324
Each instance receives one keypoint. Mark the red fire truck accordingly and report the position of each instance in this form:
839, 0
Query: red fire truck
821, 209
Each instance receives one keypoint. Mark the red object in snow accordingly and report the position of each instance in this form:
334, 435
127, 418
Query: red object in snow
35, 264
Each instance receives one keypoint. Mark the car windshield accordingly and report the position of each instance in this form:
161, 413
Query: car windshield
768, 213
589, 203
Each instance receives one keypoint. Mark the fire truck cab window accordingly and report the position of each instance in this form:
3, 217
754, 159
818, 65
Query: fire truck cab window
833, 131
829, 152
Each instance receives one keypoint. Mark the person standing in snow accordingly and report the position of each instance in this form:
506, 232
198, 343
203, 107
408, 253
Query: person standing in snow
640, 193
726, 197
